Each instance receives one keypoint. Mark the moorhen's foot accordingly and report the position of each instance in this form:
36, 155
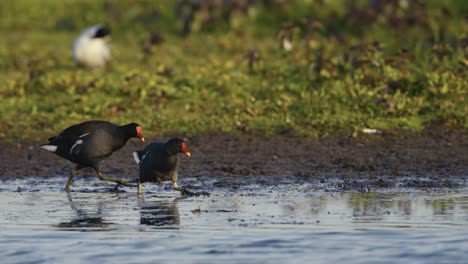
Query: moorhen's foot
130, 184
116, 188
186, 192
203, 193
110, 179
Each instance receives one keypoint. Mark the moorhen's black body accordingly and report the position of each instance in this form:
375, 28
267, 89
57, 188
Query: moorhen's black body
90, 142
158, 162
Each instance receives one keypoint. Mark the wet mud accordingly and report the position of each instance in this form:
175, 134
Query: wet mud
437, 158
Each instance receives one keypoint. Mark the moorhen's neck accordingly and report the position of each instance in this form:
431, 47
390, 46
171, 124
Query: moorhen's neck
126, 132
170, 149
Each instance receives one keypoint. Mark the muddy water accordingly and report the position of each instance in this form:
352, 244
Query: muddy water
293, 223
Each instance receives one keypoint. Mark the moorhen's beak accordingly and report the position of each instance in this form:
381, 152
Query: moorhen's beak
142, 139
185, 149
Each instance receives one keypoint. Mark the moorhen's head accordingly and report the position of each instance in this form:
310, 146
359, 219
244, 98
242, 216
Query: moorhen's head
176, 145
135, 131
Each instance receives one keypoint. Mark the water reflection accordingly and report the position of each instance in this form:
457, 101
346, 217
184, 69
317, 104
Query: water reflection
284, 224
106, 212
86, 215
161, 214
97, 210
293, 207
378, 206
442, 207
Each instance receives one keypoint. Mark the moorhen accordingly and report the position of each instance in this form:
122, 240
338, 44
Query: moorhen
158, 162
90, 142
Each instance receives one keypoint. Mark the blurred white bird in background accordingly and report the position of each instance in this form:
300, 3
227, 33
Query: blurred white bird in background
91, 49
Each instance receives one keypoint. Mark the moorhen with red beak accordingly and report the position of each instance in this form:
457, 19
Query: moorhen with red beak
90, 142
158, 162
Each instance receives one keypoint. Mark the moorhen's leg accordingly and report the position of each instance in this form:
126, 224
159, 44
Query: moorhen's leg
140, 187
178, 188
181, 189
105, 178
129, 182
70, 179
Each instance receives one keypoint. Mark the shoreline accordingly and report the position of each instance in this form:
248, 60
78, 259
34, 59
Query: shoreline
431, 159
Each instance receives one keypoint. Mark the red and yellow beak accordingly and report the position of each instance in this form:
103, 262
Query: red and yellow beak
185, 149
139, 131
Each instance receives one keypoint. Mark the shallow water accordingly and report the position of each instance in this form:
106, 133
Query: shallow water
293, 223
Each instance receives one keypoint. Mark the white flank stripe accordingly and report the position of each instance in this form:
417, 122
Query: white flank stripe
84, 135
144, 156
50, 148
78, 142
136, 158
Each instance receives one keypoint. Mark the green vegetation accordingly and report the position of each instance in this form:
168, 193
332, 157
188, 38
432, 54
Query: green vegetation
392, 65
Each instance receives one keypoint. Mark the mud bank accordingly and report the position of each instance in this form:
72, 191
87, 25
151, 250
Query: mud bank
433, 159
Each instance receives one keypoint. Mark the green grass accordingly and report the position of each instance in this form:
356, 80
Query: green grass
335, 79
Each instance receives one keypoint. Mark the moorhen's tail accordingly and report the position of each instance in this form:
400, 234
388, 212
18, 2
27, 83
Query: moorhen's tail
49, 147
137, 155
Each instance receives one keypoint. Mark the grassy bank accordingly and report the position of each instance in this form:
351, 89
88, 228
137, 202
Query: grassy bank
384, 66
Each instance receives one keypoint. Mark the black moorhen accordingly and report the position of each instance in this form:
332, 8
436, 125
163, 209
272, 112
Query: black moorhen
90, 142
158, 162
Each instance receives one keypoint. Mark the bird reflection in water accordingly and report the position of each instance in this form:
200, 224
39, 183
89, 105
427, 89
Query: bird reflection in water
160, 214
85, 218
